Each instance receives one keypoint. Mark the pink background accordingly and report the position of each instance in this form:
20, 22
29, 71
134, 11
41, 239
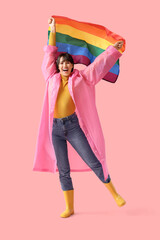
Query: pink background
31, 202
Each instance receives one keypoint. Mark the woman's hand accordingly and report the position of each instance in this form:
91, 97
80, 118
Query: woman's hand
52, 24
118, 45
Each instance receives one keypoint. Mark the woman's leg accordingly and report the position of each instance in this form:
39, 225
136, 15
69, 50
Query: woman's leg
61, 152
80, 143
60, 147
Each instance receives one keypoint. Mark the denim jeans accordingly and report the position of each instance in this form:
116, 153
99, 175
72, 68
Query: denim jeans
68, 129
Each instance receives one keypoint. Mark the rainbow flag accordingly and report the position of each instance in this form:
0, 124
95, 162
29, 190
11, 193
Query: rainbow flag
85, 41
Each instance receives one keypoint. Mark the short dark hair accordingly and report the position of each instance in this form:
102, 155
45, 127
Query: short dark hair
66, 57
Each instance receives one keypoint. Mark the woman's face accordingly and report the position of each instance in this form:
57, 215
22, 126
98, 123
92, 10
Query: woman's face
65, 67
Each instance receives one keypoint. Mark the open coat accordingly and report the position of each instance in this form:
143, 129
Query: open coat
81, 85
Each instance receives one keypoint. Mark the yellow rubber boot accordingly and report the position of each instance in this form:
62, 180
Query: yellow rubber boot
119, 200
69, 199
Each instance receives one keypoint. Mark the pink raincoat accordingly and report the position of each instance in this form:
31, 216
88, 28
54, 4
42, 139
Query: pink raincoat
81, 85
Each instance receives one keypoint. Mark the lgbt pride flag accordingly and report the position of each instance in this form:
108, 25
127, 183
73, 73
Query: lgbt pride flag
85, 41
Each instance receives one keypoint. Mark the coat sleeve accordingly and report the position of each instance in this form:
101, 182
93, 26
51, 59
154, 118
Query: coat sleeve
101, 65
49, 61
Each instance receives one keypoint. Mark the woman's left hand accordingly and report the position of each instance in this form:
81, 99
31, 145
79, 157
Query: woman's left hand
118, 45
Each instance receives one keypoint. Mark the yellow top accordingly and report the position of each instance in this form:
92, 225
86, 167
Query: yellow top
64, 103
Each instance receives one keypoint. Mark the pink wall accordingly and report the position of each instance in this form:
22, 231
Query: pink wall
31, 202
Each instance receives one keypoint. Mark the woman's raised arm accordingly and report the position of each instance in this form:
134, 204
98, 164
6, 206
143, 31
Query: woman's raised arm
49, 61
102, 64
52, 37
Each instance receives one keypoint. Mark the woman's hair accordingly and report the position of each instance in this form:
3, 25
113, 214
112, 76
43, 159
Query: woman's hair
66, 57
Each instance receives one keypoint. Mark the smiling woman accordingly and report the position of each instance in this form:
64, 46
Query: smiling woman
69, 115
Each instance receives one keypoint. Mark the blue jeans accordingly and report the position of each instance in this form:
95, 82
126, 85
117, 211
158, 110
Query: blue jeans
68, 129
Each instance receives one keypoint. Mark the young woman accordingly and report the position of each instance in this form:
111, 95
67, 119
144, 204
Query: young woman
66, 122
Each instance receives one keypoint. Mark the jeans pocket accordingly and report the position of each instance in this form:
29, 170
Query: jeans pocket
74, 120
54, 123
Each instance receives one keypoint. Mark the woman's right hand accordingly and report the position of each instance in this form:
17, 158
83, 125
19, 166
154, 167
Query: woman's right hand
52, 24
